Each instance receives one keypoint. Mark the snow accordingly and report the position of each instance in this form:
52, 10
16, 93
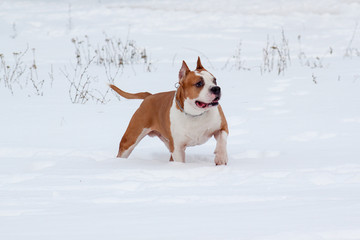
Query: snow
293, 171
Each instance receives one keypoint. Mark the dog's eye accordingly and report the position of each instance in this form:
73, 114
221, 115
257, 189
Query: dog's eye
199, 84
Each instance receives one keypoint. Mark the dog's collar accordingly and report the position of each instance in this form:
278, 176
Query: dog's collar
182, 109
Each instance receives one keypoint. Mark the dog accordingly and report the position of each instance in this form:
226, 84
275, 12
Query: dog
186, 117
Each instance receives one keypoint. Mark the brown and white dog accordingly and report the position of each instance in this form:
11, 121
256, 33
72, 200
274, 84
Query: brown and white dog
186, 117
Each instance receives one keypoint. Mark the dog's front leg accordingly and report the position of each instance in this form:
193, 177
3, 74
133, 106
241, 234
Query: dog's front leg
178, 155
221, 157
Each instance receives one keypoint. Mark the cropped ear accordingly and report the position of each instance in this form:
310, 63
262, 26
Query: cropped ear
184, 70
199, 65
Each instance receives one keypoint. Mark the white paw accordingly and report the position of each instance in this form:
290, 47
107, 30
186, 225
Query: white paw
221, 159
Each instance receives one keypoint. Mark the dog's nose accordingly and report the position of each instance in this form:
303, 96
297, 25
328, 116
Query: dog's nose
215, 90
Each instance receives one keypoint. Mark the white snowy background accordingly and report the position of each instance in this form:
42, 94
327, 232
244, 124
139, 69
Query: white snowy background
294, 143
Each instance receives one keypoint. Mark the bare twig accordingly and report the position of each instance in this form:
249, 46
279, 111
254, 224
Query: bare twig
237, 59
312, 62
11, 74
350, 50
278, 54
34, 78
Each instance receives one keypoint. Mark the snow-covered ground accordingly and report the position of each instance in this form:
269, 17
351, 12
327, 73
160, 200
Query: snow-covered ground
294, 155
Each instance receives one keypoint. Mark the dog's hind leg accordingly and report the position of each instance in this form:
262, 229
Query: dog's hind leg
133, 135
129, 141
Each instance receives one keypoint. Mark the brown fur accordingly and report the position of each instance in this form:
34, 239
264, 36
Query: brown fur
153, 114
187, 80
189, 84
141, 95
224, 125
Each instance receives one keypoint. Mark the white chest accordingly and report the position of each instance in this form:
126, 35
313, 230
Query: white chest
190, 131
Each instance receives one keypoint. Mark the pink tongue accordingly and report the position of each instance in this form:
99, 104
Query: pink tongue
201, 104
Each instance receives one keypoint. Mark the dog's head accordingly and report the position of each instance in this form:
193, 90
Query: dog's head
198, 90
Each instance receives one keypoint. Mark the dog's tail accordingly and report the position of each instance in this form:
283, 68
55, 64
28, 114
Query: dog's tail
140, 95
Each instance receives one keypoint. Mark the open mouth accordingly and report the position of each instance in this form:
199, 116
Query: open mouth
205, 105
